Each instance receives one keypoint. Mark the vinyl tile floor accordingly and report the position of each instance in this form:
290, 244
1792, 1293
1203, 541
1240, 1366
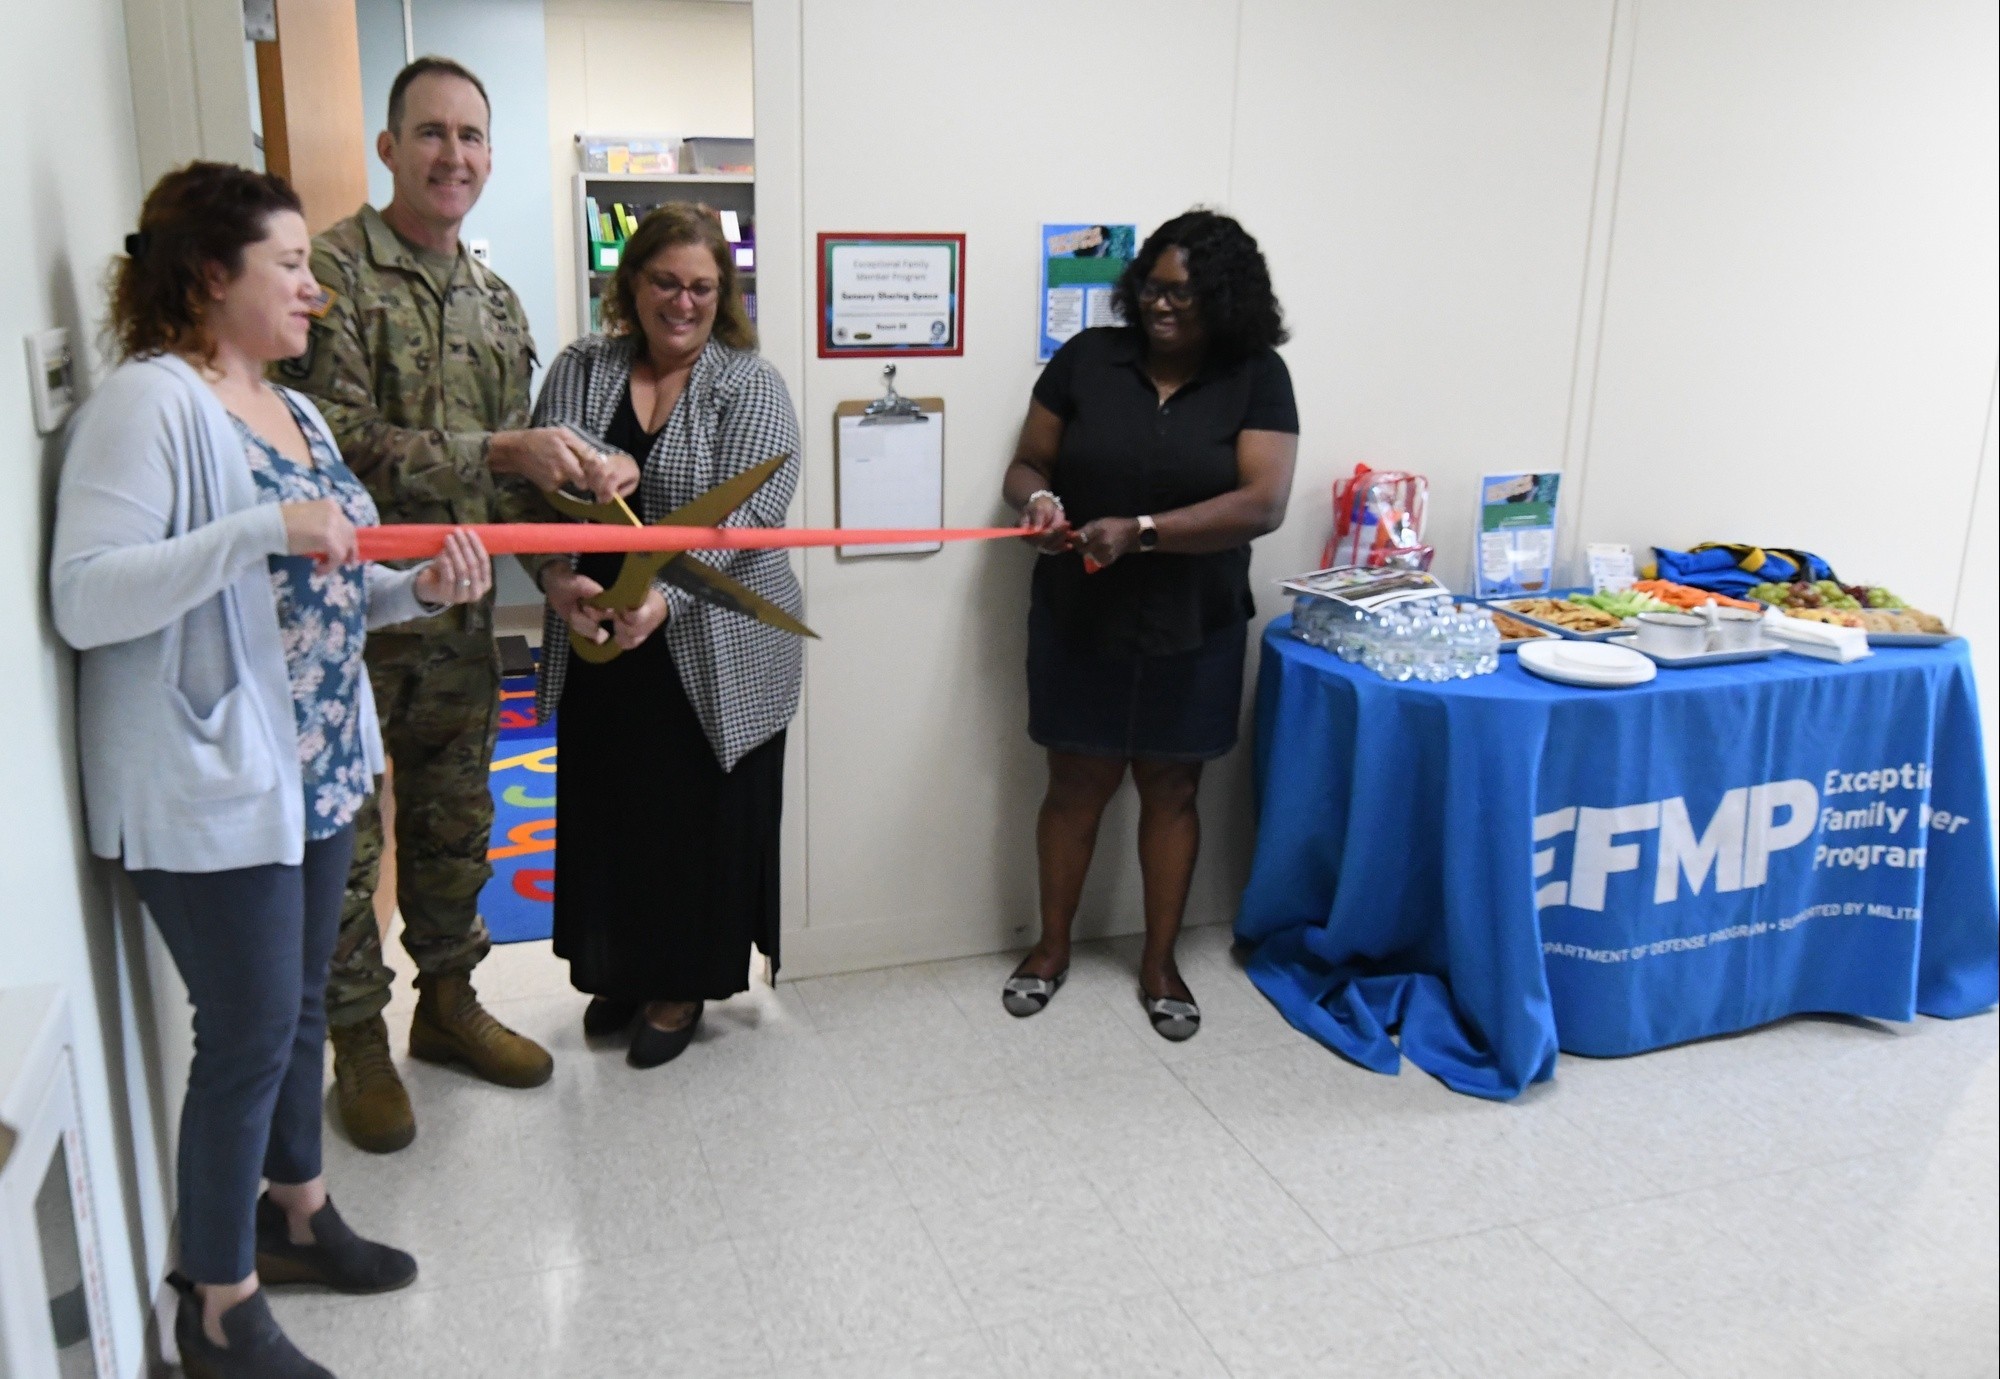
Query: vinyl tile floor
884, 1175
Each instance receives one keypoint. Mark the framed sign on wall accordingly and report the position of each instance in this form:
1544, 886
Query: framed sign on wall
891, 295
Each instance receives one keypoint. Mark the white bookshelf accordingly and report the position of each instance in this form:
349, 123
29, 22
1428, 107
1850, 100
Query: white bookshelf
724, 191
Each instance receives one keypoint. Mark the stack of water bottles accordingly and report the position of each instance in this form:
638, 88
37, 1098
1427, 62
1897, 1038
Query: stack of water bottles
1432, 640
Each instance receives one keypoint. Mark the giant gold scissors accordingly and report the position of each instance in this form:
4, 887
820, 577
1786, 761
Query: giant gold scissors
678, 568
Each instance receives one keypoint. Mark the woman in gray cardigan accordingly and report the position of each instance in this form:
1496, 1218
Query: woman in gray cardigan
205, 567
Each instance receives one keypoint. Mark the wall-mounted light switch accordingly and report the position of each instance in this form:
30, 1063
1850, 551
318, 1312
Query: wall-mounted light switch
480, 250
51, 378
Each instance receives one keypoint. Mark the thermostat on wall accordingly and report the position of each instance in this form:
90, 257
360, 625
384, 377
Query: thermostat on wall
480, 250
51, 378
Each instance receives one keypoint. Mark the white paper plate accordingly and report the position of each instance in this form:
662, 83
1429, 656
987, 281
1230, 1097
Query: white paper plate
1593, 665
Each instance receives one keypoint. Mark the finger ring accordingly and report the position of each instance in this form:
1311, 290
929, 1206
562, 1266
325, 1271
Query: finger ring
465, 584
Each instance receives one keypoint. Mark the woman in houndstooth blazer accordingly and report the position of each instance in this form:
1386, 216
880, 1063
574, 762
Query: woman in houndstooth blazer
671, 755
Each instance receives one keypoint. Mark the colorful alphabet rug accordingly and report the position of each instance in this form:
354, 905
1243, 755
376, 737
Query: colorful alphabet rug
518, 903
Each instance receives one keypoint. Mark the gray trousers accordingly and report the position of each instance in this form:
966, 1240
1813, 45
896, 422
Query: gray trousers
252, 946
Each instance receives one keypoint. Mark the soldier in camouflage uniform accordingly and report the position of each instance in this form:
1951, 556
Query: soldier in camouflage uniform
421, 361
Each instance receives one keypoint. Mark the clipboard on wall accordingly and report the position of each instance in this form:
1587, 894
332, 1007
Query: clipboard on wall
888, 468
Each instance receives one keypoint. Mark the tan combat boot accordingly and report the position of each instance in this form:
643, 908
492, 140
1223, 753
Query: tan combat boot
450, 1026
373, 1105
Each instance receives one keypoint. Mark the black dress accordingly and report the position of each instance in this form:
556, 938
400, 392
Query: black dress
666, 865
1144, 660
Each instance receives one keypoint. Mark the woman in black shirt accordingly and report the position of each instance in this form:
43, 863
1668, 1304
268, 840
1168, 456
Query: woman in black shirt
1151, 457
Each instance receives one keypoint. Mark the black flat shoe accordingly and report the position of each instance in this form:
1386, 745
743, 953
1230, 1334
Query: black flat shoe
1173, 1020
337, 1259
258, 1348
604, 1016
1025, 994
652, 1047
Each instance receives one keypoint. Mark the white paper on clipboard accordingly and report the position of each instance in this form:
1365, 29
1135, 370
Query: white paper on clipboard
892, 475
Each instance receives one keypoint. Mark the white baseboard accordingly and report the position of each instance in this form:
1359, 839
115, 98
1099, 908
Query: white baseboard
838, 949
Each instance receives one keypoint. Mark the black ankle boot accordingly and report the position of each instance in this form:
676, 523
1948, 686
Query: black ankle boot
337, 1259
257, 1348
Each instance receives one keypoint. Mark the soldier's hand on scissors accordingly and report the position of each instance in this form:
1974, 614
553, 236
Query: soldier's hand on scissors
567, 593
321, 530
549, 457
613, 474
632, 626
461, 573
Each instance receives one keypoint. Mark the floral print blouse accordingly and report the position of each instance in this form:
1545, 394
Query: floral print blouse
323, 620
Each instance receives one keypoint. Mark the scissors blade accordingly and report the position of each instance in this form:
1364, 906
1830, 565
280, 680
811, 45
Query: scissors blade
615, 512
712, 586
727, 496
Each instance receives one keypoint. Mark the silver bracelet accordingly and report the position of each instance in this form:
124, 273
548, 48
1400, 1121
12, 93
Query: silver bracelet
1044, 493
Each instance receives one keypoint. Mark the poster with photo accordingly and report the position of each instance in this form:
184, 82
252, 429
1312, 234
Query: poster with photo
1081, 265
1515, 551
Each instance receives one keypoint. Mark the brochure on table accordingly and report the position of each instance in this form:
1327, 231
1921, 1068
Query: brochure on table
1516, 541
1368, 588
1612, 570
1081, 265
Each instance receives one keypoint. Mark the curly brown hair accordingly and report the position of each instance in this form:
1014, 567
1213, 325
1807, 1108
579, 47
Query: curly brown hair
197, 217
669, 227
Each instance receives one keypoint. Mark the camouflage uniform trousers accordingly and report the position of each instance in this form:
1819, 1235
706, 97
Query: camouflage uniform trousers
438, 696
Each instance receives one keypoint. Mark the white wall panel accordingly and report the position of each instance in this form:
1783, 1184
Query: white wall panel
923, 782
1420, 175
1799, 328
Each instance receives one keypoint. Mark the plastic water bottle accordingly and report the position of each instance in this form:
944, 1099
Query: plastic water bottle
1392, 655
1351, 643
1441, 638
1474, 625
1423, 645
1308, 620
1487, 642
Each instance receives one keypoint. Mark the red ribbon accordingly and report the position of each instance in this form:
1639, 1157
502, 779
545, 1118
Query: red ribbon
417, 541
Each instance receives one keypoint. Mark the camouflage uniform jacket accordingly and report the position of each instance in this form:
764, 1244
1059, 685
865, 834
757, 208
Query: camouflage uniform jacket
414, 384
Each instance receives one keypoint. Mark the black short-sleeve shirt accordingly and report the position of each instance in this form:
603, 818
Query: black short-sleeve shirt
1124, 453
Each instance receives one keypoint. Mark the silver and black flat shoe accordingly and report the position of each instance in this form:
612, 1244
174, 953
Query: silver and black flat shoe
1172, 1019
1025, 994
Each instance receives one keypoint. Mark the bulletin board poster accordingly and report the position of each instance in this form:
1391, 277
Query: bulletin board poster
1081, 265
1516, 550
887, 296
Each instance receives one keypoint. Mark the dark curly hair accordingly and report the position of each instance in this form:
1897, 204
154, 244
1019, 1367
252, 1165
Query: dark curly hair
1232, 283
201, 215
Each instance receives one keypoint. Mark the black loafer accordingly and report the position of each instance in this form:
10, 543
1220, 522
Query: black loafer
604, 1016
337, 1259
652, 1047
258, 1348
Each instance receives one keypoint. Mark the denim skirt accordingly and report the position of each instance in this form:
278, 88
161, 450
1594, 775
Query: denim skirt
1182, 707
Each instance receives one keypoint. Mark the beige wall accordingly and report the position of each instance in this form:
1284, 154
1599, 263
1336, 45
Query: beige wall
676, 67
98, 98
1732, 265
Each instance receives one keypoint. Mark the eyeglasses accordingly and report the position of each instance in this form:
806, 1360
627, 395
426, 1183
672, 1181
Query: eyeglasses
700, 293
1179, 295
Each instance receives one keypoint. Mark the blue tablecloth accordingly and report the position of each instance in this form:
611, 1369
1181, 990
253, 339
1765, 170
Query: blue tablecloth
1499, 868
